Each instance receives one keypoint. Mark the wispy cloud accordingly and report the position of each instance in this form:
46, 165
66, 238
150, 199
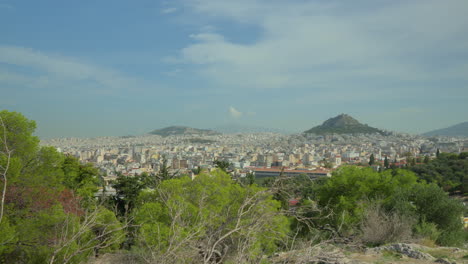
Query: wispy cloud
234, 113
329, 44
169, 10
41, 69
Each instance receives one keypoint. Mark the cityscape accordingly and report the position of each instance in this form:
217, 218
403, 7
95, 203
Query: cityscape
264, 154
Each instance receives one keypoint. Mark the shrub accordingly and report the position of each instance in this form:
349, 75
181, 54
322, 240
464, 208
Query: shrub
379, 227
428, 202
427, 230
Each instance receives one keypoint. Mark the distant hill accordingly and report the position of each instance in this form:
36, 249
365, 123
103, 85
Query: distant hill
460, 130
182, 130
234, 129
343, 124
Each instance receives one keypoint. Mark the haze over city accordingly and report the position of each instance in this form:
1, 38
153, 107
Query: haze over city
111, 68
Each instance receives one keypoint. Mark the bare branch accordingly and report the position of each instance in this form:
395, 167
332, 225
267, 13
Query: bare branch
4, 168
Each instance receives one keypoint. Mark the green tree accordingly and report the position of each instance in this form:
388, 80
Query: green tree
345, 193
211, 214
449, 171
163, 173
430, 204
222, 165
197, 170
42, 200
128, 189
19, 137
250, 178
82, 178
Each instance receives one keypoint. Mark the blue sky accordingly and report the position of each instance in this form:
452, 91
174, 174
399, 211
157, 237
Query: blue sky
95, 68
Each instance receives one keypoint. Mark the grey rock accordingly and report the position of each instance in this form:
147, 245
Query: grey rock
404, 249
444, 261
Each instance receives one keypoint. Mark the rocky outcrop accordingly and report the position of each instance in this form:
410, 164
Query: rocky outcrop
313, 255
444, 261
404, 249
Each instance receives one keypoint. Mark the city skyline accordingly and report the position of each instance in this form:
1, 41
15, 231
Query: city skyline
117, 68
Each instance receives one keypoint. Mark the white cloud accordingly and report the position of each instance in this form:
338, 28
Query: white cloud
234, 113
45, 70
169, 10
317, 44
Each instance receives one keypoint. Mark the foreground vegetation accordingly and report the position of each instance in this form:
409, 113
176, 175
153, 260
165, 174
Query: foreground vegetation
49, 212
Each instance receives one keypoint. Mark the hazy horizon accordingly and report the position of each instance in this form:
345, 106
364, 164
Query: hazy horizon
114, 68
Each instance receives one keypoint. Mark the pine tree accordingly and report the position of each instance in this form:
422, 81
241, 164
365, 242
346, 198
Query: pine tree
386, 163
371, 159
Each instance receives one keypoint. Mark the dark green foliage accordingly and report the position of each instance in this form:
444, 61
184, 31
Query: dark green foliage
429, 203
371, 159
163, 173
19, 136
386, 163
250, 178
82, 178
128, 188
449, 171
197, 170
222, 165
426, 159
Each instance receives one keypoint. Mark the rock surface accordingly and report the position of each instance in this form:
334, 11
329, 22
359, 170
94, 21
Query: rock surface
404, 249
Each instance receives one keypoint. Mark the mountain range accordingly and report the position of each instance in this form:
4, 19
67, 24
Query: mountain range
460, 130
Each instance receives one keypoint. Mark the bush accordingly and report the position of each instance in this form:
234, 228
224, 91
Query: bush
429, 203
343, 193
426, 230
379, 227
210, 216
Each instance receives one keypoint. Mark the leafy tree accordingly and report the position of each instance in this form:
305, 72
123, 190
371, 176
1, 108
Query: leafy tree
197, 170
449, 171
430, 204
345, 193
128, 189
250, 178
8, 236
82, 178
163, 173
211, 214
19, 138
386, 163
222, 165
42, 200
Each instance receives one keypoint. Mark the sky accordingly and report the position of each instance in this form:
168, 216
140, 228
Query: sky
108, 68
